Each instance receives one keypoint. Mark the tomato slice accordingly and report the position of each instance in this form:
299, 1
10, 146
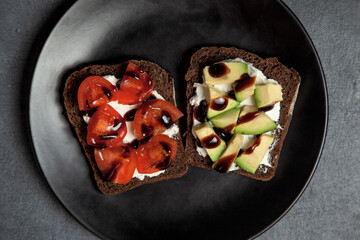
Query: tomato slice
93, 92
136, 86
156, 154
106, 127
116, 164
154, 116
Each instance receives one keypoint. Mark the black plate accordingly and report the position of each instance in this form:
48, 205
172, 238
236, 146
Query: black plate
202, 203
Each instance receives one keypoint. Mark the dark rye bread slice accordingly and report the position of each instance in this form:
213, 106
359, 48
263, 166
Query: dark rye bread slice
272, 68
163, 84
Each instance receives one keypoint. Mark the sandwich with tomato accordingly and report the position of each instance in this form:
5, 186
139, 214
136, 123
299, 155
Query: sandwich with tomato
126, 120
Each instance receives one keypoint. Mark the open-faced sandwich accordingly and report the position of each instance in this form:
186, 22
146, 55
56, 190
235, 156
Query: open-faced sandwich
125, 118
240, 108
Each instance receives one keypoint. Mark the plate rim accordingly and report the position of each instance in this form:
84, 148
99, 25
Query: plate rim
297, 20
30, 134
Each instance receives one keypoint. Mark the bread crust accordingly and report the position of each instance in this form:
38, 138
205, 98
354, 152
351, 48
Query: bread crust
271, 68
163, 84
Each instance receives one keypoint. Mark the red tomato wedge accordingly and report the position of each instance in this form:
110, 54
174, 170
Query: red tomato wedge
156, 154
135, 87
106, 127
116, 164
153, 117
93, 92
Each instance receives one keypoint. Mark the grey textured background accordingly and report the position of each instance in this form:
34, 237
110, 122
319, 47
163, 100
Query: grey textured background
330, 206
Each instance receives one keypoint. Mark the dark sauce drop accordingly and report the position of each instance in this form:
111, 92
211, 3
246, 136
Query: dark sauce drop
232, 94
223, 164
89, 113
118, 83
147, 131
109, 174
229, 128
200, 111
152, 96
135, 144
223, 133
268, 108
166, 147
107, 92
244, 76
130, 115
240, 152
250, 149
126, 154
248, 117
219, 103
114, 129
166, 119
87, 104
117, 125
166, 162
211, 141
218, 70
243, 84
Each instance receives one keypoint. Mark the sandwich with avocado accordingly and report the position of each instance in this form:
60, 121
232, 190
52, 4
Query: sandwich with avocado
240, 108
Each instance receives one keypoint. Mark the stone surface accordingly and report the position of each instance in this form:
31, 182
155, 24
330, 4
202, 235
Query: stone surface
328, 209
330, 206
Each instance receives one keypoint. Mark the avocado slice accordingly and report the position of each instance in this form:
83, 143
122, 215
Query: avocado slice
219, 102
253, 122
227, 120
212, 143
224, 72
250, 159
267, 94
227, 158
244, 88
